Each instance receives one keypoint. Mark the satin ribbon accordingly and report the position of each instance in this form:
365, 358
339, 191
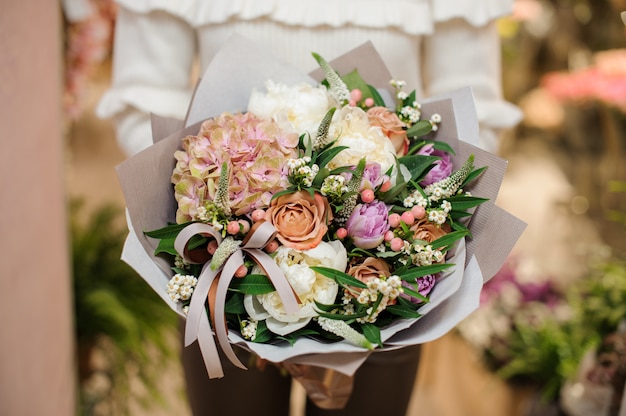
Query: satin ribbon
198, 326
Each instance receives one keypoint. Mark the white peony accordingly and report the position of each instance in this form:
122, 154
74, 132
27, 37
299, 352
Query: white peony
352, 128
297, 108
308, 285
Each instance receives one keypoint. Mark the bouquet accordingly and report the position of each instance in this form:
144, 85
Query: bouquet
315, 221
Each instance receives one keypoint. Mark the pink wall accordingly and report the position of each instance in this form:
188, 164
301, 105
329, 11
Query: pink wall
36, 342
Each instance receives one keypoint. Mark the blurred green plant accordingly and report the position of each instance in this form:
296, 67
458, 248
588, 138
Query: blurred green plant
533, 334
548, 353
117, 315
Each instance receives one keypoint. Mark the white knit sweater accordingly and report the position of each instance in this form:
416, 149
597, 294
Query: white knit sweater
434, 45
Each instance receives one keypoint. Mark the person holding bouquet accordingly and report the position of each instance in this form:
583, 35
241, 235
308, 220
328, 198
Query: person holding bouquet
435, 46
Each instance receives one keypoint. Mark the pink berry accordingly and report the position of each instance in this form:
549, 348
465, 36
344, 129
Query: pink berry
367, 196
394, 220
369, 102
385, 186
233, 228
356, 94
242, 271
211, 247
389, 235
272, 246
258, 215
396, 244
418, 212
341, 233
408, 218
352, 103
245, 226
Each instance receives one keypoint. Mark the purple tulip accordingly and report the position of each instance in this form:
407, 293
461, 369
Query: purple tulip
368, 224
442, 168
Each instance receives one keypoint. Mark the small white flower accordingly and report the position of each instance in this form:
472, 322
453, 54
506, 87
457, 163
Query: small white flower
248, 329
435, 118
180, 287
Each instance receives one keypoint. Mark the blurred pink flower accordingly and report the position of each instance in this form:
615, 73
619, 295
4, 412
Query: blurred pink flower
88, 44
526, 10
605, 81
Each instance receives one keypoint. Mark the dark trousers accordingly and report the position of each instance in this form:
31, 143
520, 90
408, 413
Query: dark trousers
382, 385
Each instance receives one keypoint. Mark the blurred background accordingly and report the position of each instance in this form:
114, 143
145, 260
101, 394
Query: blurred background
83, 333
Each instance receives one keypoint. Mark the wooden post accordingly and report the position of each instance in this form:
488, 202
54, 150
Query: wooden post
37, 344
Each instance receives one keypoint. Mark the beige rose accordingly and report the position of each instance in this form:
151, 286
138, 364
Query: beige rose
368, 270
428, 231
301, 220
391, 126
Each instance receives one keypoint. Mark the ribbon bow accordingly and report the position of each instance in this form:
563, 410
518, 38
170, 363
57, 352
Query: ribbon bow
198, 326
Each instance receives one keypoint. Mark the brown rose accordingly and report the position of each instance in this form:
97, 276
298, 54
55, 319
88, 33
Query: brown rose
428, 231
368, 270
301, 220
391, 126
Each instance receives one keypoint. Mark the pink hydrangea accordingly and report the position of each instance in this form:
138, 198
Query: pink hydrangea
256, 152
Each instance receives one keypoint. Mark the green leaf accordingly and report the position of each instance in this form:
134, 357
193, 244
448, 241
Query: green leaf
234, 305
169, 231
403, 312
392, 194
456, 215
372, 333
387, 254
166, 246
413, 273
292, 337
443, 146
410, 99
342, 317
322, 174
462, 203
448, 239
283, 192
409, 291
326, 308
342, 278
410, 305
419, 129
263, 334
473, 175
378, 100
341, 169
457, 226
418, 165
354, 80
253, 284
327, 155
